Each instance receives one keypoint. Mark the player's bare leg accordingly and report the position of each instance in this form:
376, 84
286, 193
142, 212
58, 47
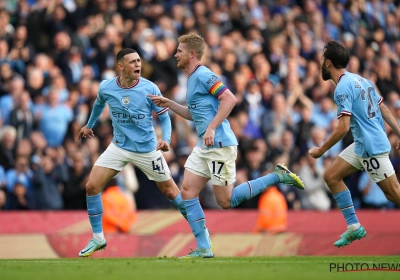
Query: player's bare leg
172, 192
99, 176
168, 188
333, 176
391, 189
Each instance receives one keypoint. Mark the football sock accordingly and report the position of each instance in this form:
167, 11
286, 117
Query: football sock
345, 203
252, 188
99, 236
197, 222
95, 211
178, 202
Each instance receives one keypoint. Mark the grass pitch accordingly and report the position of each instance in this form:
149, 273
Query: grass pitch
240, 268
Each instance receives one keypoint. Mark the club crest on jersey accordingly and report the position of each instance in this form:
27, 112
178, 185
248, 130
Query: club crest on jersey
125, 100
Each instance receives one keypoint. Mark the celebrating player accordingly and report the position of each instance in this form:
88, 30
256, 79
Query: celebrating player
209, 102
134, 140
361, 109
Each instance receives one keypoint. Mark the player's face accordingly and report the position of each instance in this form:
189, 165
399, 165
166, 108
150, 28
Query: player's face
326, 75
182, 56
131, 65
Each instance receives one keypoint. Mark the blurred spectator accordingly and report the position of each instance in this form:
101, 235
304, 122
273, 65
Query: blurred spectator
53, 119
19, 44
8, 135
20, 174
372, 195
74, 193
39, 142
57, 83
22, 118
164, 73
8, 101
127, 180
24, 148
46, 182
35, 84
19, 199
119, 210
315, 196
304, 128
324, 113
11, 57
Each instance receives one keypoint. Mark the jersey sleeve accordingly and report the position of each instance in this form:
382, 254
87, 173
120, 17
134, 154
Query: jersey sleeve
100, 99
158, 110
344, 100
213, 84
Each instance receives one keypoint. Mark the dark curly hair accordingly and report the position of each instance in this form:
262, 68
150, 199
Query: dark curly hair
337, 54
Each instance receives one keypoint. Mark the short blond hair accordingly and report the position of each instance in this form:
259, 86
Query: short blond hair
194, 42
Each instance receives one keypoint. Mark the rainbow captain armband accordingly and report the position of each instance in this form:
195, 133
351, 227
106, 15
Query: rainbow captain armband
217, 89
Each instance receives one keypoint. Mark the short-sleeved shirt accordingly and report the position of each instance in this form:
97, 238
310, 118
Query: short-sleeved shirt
203, 89
131, 113
356, 97
54, 122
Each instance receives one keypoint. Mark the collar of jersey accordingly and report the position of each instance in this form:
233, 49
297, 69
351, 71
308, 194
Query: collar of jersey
133, 85
340, 77
194, 70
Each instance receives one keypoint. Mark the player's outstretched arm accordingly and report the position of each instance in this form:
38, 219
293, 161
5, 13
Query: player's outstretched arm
162, 101
87, 131
338, 133
166, 129
391, 121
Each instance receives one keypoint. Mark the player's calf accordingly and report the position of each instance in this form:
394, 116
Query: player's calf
224, 203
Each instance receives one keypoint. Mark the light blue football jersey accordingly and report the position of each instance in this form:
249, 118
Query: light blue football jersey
131, 113
356, 97
203, 90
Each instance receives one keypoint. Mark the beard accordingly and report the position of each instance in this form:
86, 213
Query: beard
325, 73
182, 63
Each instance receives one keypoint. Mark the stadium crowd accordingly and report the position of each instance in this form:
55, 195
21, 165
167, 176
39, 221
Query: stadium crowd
54, 54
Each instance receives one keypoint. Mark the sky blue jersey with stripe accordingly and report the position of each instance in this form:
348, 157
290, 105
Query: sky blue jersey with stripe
131, 114
356, 97
203, 89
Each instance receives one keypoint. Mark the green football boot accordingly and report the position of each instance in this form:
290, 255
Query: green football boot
287, 177
93, 246
349, 236
199, 253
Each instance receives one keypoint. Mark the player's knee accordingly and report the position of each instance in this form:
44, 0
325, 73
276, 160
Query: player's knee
329, 178
224, 203
390, 197
393, 197
91, 188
